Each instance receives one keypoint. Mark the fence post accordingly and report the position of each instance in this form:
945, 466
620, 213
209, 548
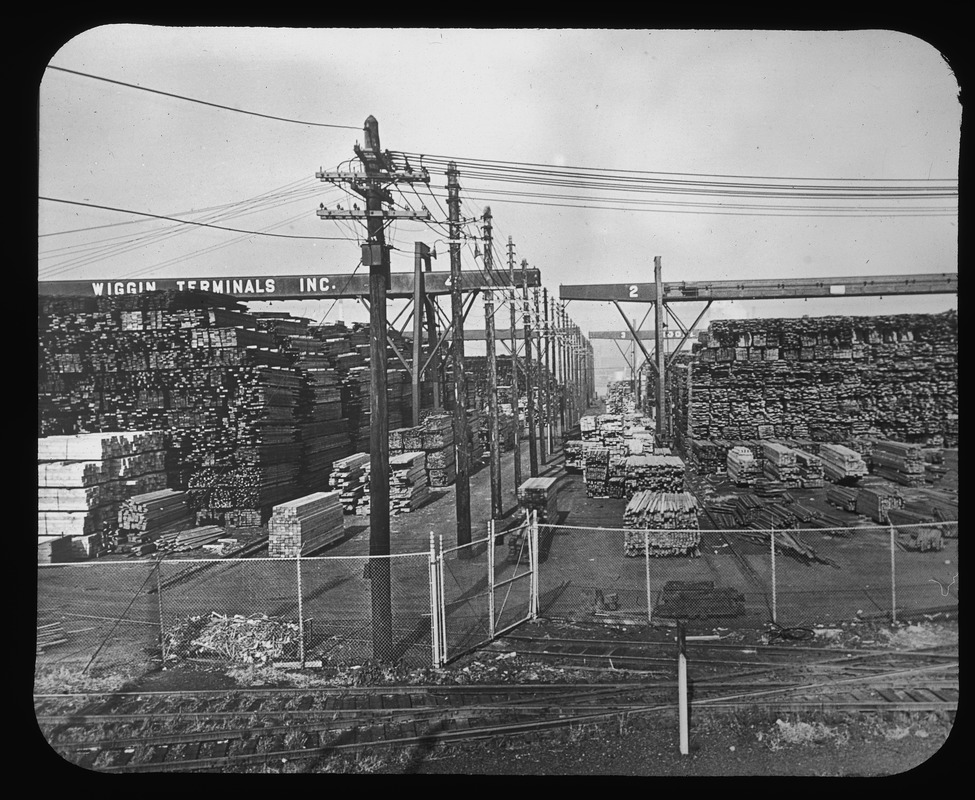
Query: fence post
301, 615
162, 624
490, 578
893, 575
646, 562
533, 561
442, 604
434, 603
774, 587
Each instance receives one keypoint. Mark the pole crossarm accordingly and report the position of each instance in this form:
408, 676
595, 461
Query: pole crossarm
767, 289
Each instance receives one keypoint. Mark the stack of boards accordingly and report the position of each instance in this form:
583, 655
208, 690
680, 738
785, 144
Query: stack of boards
82, 481
347, 479
539, 494
664, 522
303, 526
408, 484
841, 464
899, 462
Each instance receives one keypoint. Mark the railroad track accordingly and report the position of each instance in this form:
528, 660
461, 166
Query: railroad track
231, 730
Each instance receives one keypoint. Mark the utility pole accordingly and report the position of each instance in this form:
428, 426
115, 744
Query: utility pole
549, 369
462, 492
516, 436
497, 510
529, 374
379, 172
537, 320
661, 426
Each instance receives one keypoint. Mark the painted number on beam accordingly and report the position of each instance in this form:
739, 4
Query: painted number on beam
633, 290
837, 288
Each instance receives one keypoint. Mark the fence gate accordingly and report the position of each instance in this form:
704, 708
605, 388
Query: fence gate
483, 589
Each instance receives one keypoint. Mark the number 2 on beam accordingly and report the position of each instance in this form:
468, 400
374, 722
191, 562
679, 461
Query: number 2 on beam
633, 290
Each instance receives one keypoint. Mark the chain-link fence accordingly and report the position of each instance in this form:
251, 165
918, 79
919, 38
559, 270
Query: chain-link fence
334, 610
735, 577
466, 596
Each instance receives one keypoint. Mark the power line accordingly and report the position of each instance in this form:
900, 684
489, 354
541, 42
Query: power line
205, 102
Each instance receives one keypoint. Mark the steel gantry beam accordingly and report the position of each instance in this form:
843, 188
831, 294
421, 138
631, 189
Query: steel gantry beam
284, 287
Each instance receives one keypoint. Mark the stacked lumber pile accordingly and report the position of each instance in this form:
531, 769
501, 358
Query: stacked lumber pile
155, 512
844, 497
595, 471
841, 464
55, 549
709, 456
877, 501
305, 525
82, 481
347, 479
181, 541
653, 473
826, 378
698, 600
616, 482
781, 464
363, 507
572, 451
900, 462
671, 518
619, 398
408, 484
437, 441
743, 468
811, 474
539, 494
587, 427
638, 441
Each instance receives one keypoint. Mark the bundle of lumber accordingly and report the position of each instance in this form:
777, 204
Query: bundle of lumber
539, 494
709, 456
781, 463
743, 469
55, 549
653, 473
698, 600
437, 441
876, 501
347, 479
178, 541
155, 512
844, 497
841, 464
572, 451
305, 525
408, 484
595, 470
666, 522
810, 470
900, 462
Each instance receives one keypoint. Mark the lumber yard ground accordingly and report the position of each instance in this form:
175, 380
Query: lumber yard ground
834, 728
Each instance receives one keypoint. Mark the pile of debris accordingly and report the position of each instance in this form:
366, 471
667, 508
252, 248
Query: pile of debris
257, 639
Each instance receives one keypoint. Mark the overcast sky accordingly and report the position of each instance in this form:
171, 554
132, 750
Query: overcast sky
825, 111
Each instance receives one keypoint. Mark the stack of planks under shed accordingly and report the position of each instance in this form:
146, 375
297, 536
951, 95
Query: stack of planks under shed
666, 522
82, 481
305, 525
826, 378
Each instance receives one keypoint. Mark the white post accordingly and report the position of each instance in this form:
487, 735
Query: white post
490, 579
893, 575
682, 688
443, 606
533, 561
434, 604
646, 561
301, 616
774, 598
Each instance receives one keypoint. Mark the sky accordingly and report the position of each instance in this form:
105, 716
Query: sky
229, 125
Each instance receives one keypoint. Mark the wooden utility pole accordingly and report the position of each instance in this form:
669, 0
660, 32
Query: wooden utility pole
516, 435
529, 375
494, 435
379, 171
549, 370
540, 373
421, 254
661, 427
462, 487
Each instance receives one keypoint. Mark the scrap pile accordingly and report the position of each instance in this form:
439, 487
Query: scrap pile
539, 494
826, 378
781, 464
347, 479
83, 479
305, 525
743, 468
899, 462
841, 464
667, 522
257, 639
408, 485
